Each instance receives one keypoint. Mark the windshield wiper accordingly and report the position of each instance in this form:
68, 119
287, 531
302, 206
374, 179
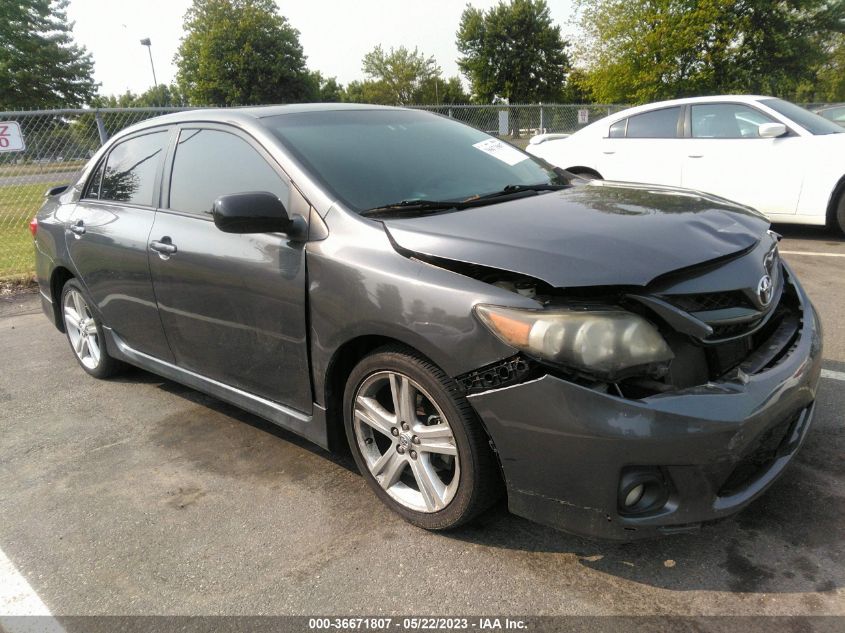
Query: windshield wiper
509, 190
413, 206
423, 206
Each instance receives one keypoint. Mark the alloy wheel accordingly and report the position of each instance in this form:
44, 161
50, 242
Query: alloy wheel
81, 329
406, 441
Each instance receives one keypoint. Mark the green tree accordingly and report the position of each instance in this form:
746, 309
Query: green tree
400, 72
40, 65
326, 89
512, 52
158, 96
435, 91
241, 52
369, 91
645, 50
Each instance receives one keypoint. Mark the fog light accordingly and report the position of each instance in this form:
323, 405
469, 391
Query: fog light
642, 490
634, 495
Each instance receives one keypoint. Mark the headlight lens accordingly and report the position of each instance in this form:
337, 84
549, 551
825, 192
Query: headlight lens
605, 342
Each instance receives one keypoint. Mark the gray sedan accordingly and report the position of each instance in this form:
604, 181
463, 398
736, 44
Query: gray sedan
617, 360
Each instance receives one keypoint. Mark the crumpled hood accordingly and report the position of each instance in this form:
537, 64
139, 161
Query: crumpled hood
601, 233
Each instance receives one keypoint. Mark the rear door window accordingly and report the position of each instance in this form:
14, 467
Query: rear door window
661, 123
131, 169
212, 163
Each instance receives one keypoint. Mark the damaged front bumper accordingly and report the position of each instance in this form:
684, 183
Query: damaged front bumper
566, 450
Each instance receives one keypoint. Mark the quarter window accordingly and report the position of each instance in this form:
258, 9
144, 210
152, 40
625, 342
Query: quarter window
210, 163
131, 169
726, 120
93, 190
617, 130
655, 124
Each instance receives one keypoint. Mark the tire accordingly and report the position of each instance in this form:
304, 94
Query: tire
442, 445
85, 334
838, 219
587, 174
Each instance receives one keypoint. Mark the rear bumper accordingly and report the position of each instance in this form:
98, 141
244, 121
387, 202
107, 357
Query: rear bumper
563, 447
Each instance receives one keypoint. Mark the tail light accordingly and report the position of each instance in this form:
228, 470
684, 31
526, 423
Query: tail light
33, 226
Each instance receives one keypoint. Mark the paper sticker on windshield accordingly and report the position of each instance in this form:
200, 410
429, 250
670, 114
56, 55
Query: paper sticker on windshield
502, 151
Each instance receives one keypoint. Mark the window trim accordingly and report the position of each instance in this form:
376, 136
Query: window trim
170, 158
104, 161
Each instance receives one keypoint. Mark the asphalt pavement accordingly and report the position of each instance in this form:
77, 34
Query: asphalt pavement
139, 496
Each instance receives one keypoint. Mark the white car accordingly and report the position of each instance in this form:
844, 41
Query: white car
763, 152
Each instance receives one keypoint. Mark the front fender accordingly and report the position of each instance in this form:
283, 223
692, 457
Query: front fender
359, 285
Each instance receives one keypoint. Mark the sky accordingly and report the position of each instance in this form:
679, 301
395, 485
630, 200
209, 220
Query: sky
335, 34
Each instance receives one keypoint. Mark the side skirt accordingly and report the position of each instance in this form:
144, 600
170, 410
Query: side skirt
311, 427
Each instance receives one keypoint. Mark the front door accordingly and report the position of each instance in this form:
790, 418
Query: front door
726, 156
107, 240
233, 306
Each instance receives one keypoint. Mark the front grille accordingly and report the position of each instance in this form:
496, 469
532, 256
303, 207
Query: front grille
707, 301
761, 456
733, 329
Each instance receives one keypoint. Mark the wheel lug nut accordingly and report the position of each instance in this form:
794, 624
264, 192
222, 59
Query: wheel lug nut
400, 450
413, 454
394, 431
415, 440
405, 426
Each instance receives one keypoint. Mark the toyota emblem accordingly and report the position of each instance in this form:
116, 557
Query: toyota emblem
765, 290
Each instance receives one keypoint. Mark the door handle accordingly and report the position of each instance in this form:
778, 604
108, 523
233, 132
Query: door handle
696, 155
78, 228
608, 151
164, 247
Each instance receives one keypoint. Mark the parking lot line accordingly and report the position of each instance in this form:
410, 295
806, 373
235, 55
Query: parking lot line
812, 254
834, 375
18, 598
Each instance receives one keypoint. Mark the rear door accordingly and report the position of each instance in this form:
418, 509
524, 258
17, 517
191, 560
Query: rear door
233, 306
107, 239
726, 156
644, 147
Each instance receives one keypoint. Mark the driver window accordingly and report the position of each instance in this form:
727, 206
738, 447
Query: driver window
211, 163
726, 120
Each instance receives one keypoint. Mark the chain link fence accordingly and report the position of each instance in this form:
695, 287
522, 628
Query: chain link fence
518, 123
56, 144
40, 149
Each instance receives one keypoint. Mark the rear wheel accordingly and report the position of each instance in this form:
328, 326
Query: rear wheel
416, 440
85, 334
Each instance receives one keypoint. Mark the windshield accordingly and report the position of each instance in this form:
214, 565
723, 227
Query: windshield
372, 158
811, 122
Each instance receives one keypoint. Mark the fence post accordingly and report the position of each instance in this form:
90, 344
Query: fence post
450, 113
101, 128
542, 123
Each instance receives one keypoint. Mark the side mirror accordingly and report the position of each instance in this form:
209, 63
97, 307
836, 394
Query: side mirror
251, 212
771, 130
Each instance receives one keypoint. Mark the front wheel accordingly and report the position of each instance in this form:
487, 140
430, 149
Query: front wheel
416, 440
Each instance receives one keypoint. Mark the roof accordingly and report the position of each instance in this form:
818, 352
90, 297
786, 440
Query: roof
248, 115
685, 100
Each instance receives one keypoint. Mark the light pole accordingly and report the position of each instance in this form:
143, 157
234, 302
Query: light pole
146, 42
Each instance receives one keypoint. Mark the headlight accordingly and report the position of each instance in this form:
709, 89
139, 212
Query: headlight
605, 342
